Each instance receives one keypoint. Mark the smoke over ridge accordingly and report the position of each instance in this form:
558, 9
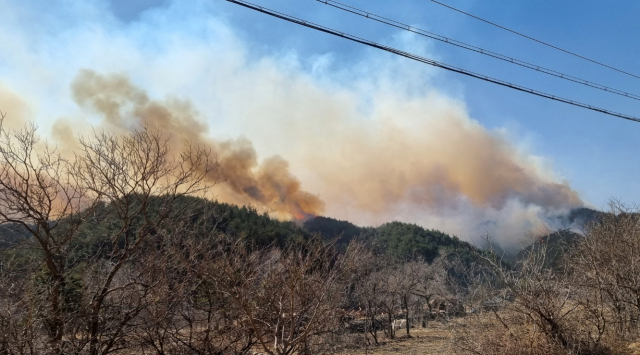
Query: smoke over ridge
268, 185
366, 137
13, 104
418, 159
423, 160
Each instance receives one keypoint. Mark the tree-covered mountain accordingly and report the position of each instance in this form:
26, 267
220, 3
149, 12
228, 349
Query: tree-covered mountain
403, 241
399, 240
407, 241
332, 228
557, 243
578, 218
554, 245
201, 218
11, 235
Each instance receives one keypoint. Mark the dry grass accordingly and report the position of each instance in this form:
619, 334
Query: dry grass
435, 339
478, 334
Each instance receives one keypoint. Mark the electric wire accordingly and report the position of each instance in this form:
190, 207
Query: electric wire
536, 40
424, 60
476, 49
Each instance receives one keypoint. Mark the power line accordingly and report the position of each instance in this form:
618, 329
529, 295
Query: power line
476, 49
424, 60
536, 40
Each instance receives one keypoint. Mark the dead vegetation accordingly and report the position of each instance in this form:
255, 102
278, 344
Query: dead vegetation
588, 306
159, 283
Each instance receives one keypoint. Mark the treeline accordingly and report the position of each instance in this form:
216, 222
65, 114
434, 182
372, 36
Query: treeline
210, 278
114, 251
567, 293
402, 241
395, 240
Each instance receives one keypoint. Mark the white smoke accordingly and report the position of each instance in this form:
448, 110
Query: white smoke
378, 139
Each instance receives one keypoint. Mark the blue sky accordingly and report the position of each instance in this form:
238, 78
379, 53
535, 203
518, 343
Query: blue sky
598, 154
252, 76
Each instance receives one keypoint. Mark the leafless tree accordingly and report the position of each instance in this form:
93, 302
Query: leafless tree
288, 298
539, 308
193, 314
20, 321
50, 196
431, 283
607, 265
367, 297
137, 176
38, 190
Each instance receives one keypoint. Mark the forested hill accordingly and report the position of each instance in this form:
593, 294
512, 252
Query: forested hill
555, 245
399, 240
203, 218
331, 228
11, 235
406, 241
580, 217
558, 242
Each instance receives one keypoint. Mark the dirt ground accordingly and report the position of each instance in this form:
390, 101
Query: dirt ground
435, 339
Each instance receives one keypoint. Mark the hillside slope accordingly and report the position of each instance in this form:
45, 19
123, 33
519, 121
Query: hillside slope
399, 240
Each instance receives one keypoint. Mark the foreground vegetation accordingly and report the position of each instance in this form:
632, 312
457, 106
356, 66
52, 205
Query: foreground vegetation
115, 250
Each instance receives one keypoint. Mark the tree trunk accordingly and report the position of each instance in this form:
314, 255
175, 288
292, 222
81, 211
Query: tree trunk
406, 310
57, 318
374, 329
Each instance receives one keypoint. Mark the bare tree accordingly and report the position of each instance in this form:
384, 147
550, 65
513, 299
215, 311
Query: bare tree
20, 322
40, 193
288, 298
50, 196
140, 180
407, 278
431, 283
607, 264
536, 309
192, 313
368, 294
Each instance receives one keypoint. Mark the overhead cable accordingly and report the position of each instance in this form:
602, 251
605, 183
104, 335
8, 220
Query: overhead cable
476, 49
424, 60
536, 40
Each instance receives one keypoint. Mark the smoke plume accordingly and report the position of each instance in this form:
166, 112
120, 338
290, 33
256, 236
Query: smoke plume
268, 185
425, 161
434, 163
419, 159
13, 107
389, 147
372, 138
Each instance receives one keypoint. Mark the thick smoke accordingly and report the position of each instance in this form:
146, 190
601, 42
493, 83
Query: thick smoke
378, 138
13, 107
269, 186
425, 161
390, 148
418, 159
435, 162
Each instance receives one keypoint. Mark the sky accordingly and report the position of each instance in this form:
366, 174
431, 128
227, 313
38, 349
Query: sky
359, 129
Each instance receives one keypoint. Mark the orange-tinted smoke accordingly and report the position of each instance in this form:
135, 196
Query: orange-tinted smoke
14, 108
269, 185
434, 163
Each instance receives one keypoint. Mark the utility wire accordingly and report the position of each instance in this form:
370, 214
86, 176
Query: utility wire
424, 60
536, 40
473, 48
